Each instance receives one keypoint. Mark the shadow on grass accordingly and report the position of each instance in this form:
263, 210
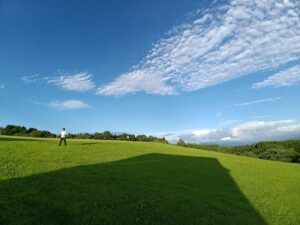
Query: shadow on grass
88, 143
149, 189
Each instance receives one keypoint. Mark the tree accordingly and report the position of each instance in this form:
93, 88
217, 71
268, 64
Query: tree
142, 138
164, 140
107, 135
98, 135
15, 130
35, 133
181, 142
30, 130
123, 137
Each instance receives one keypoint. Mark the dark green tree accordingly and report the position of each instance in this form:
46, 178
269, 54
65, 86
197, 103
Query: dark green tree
107, 135
181, 142
142, 137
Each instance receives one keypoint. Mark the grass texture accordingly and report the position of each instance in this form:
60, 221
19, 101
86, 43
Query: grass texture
113, 182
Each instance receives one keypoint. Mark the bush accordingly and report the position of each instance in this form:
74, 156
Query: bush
142, 138
279, 154
181, 143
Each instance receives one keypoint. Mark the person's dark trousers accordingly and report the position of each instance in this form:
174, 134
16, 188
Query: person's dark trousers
62, 139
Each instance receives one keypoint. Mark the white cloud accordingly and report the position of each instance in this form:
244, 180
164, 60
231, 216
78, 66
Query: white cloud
69, 104
266, 100
136, 81
242, 132
285, 78
73, 82
227, 42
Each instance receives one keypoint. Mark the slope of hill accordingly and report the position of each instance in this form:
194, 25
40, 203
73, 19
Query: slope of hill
286, 151
115, 182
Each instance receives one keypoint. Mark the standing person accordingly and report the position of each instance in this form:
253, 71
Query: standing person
63, 134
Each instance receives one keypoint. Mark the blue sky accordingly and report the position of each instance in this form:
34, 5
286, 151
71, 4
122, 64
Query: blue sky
204, 71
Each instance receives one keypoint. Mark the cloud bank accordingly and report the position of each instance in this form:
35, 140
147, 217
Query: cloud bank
69, 104
241, 133
226, 42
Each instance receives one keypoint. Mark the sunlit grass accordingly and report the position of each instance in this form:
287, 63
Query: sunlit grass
115, 182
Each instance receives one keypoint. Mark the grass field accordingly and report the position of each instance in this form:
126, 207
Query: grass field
111, 182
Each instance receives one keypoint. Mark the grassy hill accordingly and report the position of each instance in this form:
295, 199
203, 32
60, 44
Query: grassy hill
114, 182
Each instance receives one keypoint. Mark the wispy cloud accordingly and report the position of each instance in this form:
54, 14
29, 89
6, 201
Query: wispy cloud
227, 42
218, 115
2, 86
69, 104
243, 132
79, 82
285, 78
31, 79
73, 82
260, 101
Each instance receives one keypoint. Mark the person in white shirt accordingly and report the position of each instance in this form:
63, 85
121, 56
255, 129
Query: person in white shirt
63, 134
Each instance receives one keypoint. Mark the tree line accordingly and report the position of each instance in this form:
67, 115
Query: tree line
13, 130
288, 151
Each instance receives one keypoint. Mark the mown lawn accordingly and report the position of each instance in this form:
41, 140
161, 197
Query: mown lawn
111, 182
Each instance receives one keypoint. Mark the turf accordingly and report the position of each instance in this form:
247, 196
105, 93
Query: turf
111, 182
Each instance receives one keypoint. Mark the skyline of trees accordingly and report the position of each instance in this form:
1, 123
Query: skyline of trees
14, 130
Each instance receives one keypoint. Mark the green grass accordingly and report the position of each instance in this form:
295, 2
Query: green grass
111, 182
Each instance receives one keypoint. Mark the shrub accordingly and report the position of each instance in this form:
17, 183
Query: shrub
181, 142
279, 154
